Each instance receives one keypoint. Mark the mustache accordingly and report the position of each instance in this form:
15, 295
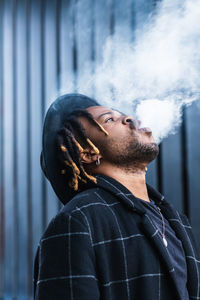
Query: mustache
134, 124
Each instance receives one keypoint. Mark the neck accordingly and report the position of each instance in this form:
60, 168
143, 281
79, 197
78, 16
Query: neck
134, 179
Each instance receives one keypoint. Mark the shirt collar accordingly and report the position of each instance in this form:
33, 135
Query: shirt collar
119, 190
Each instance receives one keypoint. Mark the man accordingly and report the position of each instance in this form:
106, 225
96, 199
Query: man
116, 238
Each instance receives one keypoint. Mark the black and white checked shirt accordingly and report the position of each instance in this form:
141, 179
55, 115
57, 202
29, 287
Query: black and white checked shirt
103, 245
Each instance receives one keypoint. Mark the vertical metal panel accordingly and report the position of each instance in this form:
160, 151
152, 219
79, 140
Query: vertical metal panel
172, 170
185, 166
66, 47
160, 169
50, 82
151, 175
43, 100
142, 8
112, 16
46, 47
29, 155
36, 108
58, 60
193, 169
101, 14
2, 199
83, 25
15, 278
122, 14
8, 144
101, 29
58, 42
75, 51
22, 144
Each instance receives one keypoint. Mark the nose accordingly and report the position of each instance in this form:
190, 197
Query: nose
127, 120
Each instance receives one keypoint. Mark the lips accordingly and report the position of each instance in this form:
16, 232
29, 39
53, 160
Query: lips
135, 125
145, 129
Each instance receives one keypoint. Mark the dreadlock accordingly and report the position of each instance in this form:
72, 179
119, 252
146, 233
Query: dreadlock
69, 149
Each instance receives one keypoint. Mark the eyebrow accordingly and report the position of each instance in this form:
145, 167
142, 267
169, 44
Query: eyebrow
121, 113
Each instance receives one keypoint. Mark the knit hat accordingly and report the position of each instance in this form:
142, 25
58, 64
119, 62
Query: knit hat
55, 117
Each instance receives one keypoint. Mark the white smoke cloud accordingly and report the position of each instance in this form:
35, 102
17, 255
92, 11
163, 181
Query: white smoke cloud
159, 71
162, 119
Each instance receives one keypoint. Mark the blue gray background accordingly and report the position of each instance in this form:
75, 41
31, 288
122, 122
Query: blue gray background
43, 47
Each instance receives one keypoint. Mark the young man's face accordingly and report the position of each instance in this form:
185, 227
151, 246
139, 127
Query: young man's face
126, 143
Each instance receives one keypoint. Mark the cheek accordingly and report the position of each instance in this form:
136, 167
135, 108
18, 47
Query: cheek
94, 134
99, 141
116, 131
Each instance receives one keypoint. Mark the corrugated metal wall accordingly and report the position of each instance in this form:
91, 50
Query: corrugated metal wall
43, 47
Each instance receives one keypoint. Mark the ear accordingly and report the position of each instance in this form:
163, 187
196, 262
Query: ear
89, 156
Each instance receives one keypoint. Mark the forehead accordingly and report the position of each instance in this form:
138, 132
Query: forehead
96, 111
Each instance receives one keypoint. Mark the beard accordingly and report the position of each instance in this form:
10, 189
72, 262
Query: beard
129, 153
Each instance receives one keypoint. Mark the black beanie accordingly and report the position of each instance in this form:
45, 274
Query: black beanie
55, 117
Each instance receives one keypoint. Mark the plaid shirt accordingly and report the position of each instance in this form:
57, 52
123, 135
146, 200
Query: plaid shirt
103, 245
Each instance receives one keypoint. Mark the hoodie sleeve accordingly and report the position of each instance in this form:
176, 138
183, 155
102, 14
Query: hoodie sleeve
65, 262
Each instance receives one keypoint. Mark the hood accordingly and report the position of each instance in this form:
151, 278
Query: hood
55, 117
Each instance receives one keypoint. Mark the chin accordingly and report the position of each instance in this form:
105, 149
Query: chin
151, 151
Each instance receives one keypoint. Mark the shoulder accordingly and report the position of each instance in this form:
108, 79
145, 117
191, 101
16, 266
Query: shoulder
86, 197
90, 199
75, 213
